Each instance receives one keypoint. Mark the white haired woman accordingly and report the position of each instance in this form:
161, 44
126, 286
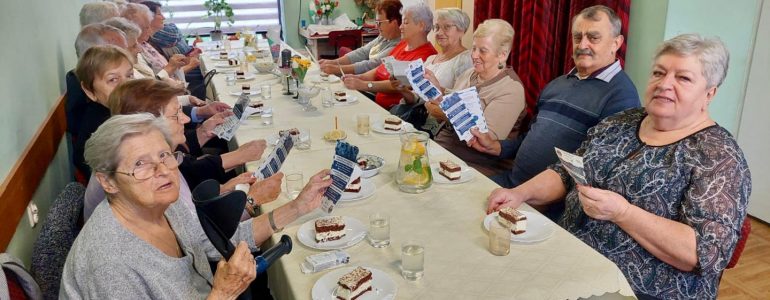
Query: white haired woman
454, 59
417, 23
500, 92
149, 58
96, 12
142, 234
667, 186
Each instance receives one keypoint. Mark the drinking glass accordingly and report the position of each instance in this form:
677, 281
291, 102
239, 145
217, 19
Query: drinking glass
266, 91
294, 184
412, 260
326, 97
499, 239
230, 79
379, 230
267, 116
362, 124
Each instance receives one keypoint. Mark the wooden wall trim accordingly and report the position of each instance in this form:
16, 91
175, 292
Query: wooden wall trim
24, 178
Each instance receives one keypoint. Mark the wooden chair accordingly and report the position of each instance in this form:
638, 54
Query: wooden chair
351, 39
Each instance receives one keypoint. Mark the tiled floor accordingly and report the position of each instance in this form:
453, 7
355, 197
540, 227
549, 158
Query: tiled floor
750, 279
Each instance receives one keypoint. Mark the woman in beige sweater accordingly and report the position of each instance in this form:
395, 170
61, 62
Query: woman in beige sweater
500, 92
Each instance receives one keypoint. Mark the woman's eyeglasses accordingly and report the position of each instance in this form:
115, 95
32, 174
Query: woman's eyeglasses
445, 28
175, 116
145, 170
379, 22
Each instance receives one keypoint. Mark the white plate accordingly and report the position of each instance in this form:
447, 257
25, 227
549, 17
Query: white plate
225, 65
332, 79
539, 228
383, 287
355, 231
247, 77
465, 175
373, 171
367, 190
272, 139
351, 100
217, 58
239, 92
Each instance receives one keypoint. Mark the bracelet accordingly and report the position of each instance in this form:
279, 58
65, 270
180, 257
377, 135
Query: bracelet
252, 207
272, 222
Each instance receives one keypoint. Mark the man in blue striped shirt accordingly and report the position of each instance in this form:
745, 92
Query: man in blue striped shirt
572, 103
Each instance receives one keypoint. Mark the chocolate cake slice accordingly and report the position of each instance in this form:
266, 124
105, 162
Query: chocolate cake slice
354, 284
514, 219
329, 229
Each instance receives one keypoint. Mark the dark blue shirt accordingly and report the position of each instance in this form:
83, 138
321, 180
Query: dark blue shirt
567, 108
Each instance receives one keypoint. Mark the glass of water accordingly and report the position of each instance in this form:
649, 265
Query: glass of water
326, 97
412, 260
266, 92
230, 79
267, 115
294, 184
379, 230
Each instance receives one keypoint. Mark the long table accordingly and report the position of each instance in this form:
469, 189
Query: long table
447, 219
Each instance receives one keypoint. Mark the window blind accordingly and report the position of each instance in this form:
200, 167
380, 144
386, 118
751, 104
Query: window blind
190, 15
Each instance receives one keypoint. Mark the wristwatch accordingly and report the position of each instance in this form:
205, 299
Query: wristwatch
253, 208
370, 85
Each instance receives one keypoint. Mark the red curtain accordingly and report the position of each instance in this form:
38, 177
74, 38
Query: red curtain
542, 47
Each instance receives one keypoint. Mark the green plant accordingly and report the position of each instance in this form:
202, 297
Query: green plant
219, 9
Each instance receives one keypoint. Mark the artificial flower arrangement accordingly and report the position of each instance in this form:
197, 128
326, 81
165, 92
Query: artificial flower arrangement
323, 8
299, 67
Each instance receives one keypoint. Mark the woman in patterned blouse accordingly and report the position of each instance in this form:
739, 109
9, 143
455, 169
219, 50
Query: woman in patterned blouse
667, 186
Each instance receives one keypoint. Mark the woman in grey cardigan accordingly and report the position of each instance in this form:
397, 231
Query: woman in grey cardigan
144, 244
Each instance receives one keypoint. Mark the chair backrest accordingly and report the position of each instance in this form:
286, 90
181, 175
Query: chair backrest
59, 231
345, 38
15, 281
745, 231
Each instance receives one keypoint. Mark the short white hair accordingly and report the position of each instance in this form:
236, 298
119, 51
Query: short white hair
501, 32
420, 13
710, 52
95, 12
129, 28
93, 35
139, 14
103, 147
455, 15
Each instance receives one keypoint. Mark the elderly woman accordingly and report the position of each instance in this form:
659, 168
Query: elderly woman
158, 98
454, 59
368, 57
667, 186
500, 92
416, 24
96, 12
142, 242
149, 58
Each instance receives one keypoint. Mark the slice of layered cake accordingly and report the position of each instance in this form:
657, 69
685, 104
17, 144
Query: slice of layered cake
222, 55
246, 88
354, 284
450, 170
354, 186
329, 229
240, 75
392, 123
513, 219
233, 62
340, 96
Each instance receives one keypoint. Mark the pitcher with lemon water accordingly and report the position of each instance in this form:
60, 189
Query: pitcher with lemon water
414, 173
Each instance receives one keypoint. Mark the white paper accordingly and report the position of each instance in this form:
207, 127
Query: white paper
573, 164
272, 164
463, 110
397, 69
420, 85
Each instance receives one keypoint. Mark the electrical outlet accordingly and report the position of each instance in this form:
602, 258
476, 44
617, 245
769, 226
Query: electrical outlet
32, 215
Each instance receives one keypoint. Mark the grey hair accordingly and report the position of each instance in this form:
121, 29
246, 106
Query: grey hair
590, 13
131, 30
501, 32
133, 12
93, 35
710, 52
102, 149
455, 15
96, 12
420, 13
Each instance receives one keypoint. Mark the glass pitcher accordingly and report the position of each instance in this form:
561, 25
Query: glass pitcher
414, 173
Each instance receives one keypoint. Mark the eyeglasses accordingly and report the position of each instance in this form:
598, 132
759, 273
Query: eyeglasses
445, 28
144, 170
175, 116
379, 22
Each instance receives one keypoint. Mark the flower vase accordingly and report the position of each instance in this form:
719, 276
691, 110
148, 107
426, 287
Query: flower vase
325, 20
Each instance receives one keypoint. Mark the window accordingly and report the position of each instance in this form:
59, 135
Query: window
189, 15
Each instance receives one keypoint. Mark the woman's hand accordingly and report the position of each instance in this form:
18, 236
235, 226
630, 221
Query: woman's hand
192, 63
210, 109
247, 178
266, 190
206, 131
435, 111
484, 142
195, 101
602, 204
432, 78
178, 60
501, 198
310, 197
234, 276
251, 151
354, 82
329, 68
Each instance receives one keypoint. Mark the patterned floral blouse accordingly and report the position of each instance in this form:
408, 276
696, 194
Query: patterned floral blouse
701, 180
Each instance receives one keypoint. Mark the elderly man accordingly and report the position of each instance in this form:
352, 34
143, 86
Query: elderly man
572, 103
96, 12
